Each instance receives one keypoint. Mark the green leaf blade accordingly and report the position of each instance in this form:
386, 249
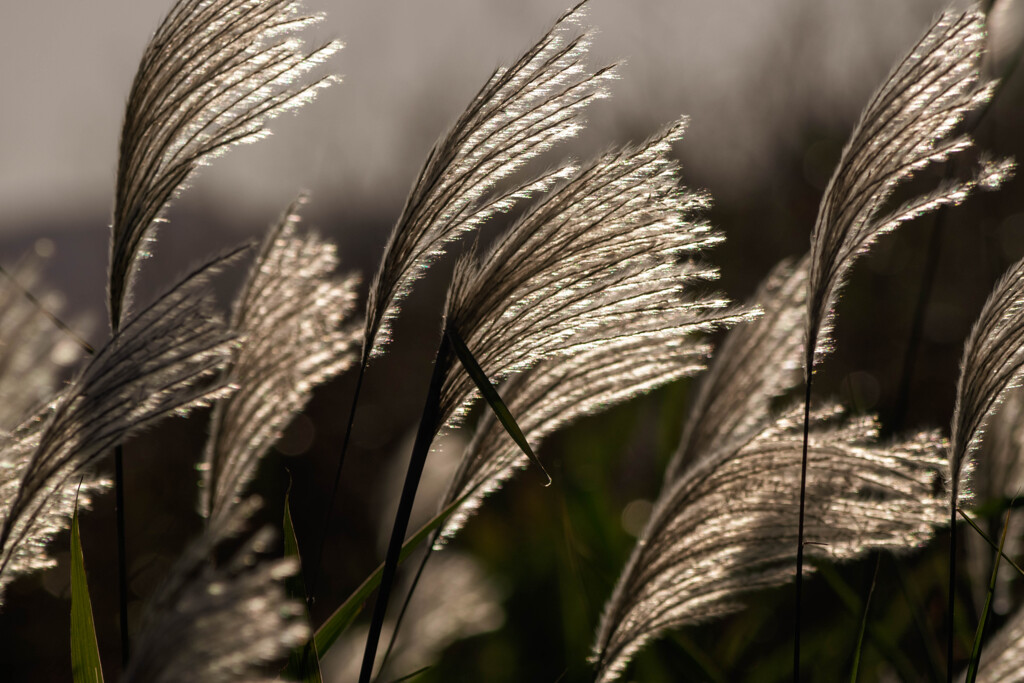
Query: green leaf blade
303, 661
493, 399
342, 618
85, 652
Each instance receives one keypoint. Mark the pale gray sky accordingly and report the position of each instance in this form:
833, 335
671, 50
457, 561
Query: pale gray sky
750, 73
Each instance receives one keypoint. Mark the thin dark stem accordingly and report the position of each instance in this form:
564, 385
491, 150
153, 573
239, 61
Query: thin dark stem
326, 525
421, 448
800, 531
408, 596
122, 553
864, 620
952, 589
928, 636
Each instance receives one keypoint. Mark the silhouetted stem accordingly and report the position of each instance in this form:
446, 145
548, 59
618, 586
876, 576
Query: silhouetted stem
122, 553
429, 422
864, 621
952, 584
326, 526
800, 529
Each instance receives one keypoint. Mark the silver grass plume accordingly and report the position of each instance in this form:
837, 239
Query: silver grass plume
992, 364
160, 363
903, 129
213, 74
557, 392
522, 110
216, 622
725, 521
728, 524
999, 474
755, 364
291, 319
33, 353
53, 513
604, 261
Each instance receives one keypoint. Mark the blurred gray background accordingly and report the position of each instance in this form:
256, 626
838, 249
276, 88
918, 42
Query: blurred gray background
754, 76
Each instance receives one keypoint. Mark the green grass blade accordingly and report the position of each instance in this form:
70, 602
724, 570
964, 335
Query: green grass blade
972, 669
997, 548
85, 651
343, 617
864, 623
880, 639
303, 661
490, 395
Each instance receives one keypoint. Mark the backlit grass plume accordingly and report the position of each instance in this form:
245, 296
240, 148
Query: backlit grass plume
557, 392
34, 353
603, 262
998, 474
291, 319
160, 363
25, 551
755, 364
213, 622
726, 523
213, 74
606, 260
521, 111
992, 364
904, 129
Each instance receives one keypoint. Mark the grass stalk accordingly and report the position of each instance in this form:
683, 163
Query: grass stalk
952, 587
122, 553
421, 448
797, 624
992, 544
864, 622
972, 668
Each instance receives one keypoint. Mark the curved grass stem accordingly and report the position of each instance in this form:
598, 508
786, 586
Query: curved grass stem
800, 530
952, 589
429, 422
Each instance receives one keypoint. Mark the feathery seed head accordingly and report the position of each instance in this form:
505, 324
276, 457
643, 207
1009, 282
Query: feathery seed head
161, 362
213, 74
522, 111
904, 129
292, 322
